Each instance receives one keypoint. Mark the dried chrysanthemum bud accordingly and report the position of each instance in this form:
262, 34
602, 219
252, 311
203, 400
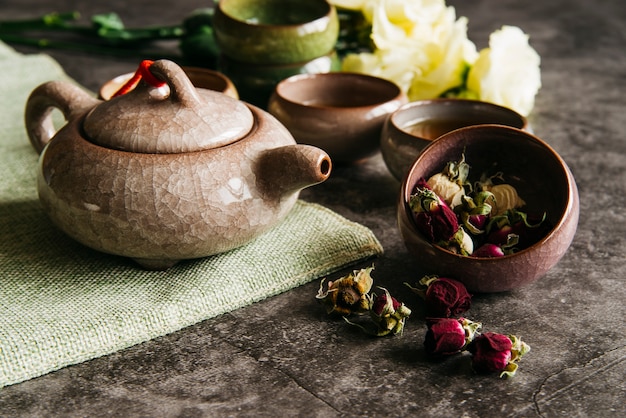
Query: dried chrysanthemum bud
449, 184
446, 336
505, 197
492, 352
348, 294
451, 192
388, 314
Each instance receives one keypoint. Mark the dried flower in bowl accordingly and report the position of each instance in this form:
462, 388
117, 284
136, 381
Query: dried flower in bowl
487, 221
450, 184
541, 178
432, 215
348, 294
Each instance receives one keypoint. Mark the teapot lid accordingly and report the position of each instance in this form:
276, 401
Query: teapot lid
175, 118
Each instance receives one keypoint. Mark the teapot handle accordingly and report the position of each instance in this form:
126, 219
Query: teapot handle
70, 99
182, 89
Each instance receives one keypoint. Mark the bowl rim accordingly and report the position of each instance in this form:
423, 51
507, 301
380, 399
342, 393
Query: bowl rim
328, 13
572, 192
396, 92
445, 101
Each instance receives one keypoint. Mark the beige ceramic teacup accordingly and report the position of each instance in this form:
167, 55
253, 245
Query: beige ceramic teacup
342, 113
415, 125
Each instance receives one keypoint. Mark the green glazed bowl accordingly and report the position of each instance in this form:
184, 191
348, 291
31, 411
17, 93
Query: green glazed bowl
275, 31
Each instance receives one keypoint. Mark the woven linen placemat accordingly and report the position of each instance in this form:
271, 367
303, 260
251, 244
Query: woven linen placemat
62, 303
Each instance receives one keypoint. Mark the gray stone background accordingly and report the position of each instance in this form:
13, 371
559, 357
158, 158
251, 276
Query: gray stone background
284, 357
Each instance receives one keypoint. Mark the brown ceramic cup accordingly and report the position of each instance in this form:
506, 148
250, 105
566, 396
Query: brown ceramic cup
340, 112
199, 77
417, 124
541, 178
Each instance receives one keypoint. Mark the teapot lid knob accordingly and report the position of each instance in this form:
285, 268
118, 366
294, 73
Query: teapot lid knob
179, 118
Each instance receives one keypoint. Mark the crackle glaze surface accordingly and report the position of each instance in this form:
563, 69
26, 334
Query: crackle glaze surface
173, 206
342, 113
180, 119
158, 208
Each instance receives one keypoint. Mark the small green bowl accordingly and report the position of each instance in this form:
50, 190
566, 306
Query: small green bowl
275, 31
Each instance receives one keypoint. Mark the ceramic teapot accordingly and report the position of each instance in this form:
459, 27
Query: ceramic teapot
165, 174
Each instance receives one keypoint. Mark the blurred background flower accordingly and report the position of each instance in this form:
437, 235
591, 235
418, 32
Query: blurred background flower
423, 47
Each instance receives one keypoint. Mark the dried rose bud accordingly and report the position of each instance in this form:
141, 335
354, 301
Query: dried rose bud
475, 211
443, 297
493, 353
516, 229
488, 251
388, 314
433, 217
348, 294
477, 222
446, 336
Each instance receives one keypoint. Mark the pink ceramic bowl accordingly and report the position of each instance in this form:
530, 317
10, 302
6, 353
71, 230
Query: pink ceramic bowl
342, 113
199, 77
540, 176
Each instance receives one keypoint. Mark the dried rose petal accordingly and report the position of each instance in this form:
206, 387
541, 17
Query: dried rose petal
447, 336
493, 353
478, 221
449, 191
443, 297
348, 294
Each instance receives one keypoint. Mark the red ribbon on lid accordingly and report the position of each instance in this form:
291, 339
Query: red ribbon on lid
142, 73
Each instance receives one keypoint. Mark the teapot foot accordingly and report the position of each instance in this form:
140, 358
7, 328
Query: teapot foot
154, 264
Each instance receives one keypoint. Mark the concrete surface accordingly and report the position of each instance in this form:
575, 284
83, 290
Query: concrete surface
285, 357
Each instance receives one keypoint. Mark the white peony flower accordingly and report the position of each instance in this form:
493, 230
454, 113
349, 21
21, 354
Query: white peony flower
449, 60
348, 4
507, 73
419, 45
422, 47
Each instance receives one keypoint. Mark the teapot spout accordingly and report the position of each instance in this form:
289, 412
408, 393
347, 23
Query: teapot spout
291, 168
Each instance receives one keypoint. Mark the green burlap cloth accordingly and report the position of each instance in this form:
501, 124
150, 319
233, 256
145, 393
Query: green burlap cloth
62, 303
